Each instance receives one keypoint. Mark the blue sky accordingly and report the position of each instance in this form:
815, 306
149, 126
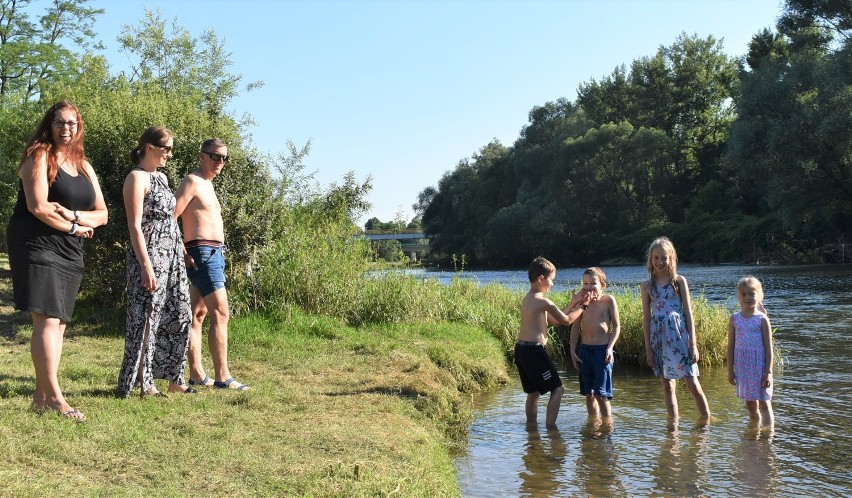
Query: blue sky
403, 90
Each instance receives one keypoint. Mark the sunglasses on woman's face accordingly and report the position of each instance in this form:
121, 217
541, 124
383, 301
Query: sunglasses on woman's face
216, 157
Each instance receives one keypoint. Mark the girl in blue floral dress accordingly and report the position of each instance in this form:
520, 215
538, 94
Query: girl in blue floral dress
670, 339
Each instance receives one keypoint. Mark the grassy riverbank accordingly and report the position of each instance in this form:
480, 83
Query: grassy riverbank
335, 411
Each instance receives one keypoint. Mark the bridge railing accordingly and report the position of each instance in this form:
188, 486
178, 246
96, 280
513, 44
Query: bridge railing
393, 231
394, 235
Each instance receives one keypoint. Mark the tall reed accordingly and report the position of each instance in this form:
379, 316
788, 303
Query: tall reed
320, 268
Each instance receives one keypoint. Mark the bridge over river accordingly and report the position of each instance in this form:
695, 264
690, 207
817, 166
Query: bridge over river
412, 241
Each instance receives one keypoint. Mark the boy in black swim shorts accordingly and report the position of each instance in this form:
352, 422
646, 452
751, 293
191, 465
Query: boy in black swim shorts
538, 375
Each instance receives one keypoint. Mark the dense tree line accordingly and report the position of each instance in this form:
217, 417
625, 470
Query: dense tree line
735, 159
275, 215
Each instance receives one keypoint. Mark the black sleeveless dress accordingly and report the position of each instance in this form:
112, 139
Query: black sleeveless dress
47, 264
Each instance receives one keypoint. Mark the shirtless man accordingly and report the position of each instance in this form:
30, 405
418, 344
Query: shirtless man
600, 327
204, 241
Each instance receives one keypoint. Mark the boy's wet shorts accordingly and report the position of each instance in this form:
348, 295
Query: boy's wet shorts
535, 368
595, 372
210, 261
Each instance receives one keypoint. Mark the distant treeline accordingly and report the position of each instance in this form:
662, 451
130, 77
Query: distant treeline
745, 159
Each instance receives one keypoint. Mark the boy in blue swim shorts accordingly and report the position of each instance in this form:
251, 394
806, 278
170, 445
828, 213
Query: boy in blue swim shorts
537, 372
600, 328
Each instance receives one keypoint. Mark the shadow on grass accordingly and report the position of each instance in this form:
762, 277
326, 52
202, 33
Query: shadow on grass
103, 393
86, 323
90, 319
10, 319
94, 320
389, 391
12, 386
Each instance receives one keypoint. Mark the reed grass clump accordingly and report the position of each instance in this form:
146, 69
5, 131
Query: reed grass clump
711, 324
319, 265
326, 277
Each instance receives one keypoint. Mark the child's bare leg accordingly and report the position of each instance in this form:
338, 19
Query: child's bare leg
532, 408
671, 399
700, 399
553, 407
606, 408
607, 425
592, 406
753, 413
766, 413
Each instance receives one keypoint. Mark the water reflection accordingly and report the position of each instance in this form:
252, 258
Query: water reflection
807, 454
597, 468
680, 468
757, 471
544, 455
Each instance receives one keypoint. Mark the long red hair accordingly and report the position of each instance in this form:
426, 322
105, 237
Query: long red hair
41, 144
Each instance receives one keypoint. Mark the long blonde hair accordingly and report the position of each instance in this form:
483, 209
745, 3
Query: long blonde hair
666, 245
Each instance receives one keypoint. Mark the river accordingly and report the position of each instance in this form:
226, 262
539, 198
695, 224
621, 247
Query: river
806, 455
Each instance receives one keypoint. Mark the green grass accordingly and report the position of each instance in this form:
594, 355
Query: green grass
368, 404
335, 410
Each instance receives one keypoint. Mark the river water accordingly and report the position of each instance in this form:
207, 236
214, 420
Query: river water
807, 454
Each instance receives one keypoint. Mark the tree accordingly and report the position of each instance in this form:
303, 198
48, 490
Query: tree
388, 250
607, 101
614, 164
424, 198
833, 16
178, 64
684, 90
372, 224
34, 55
465, 199
793, 120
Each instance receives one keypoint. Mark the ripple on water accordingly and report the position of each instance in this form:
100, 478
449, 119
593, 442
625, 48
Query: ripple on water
807, 455
643, 455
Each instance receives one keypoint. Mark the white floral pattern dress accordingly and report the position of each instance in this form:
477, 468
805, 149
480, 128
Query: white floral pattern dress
668, 334
750, 358
170, 311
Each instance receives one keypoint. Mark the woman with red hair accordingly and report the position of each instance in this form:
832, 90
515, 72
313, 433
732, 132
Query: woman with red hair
59, 204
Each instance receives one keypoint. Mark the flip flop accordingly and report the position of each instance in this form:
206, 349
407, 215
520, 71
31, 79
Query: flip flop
227, 385
69, 414
205, 382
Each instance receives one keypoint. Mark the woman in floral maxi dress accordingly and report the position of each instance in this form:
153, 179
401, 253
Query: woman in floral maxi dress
158, 307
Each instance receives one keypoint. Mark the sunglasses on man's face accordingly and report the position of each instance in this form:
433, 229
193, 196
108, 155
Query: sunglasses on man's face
216, 157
